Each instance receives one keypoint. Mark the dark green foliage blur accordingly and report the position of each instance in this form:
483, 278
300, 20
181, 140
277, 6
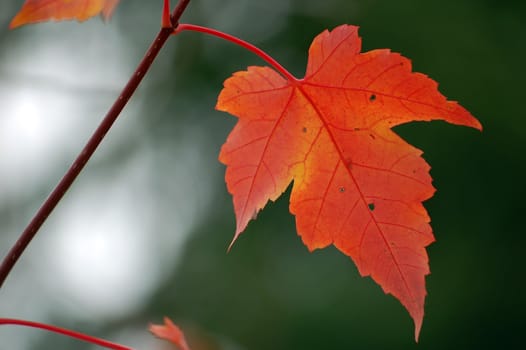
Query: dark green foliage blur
269, 292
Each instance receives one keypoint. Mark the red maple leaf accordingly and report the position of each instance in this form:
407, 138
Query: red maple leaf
357, 184
170, 332
34, 11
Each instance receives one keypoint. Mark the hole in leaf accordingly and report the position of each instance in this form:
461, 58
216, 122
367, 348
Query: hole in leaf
371, 206
341, 189
372, 98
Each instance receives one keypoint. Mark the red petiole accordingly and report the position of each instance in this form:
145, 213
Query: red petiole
256, 50
66, 332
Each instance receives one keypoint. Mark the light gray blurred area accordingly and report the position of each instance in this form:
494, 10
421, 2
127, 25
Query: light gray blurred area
143, 232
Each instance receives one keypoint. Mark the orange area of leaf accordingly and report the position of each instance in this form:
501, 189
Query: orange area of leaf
170, 332
34, 11
357, 184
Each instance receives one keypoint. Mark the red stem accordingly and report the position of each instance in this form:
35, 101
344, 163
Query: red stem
65, 183
66, 332
256, 50
166, 21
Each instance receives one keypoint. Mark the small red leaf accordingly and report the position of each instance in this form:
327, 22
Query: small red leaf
34, 11
170, 332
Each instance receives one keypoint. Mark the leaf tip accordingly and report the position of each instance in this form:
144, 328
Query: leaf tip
16, 22
170, 332
418, 327
418, 318
478, 125
108, 9
231, 244
461, 116
239, 230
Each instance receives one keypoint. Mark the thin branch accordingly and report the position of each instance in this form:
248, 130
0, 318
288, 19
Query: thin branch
67, 180
178, 12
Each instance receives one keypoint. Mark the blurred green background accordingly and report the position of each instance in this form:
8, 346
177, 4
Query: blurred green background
144, 231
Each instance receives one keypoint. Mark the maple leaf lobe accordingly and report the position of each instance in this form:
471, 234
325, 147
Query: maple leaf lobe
357, 184
34, 11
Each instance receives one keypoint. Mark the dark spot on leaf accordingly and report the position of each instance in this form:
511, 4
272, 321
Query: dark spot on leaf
372, 98
372, 136
341, 189
356, 129
371, 206
304, 130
